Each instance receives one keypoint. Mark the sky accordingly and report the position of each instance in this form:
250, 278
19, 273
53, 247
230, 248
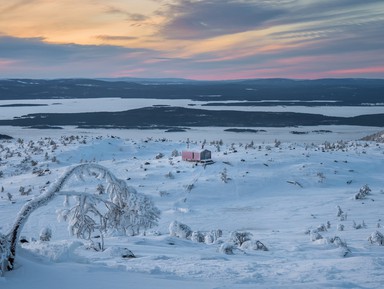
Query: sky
194, 39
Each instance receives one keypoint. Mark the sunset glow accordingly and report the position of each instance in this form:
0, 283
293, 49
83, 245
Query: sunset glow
191, 39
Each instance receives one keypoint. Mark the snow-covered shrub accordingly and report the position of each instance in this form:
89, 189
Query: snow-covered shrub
376, 238
338, 242
340, 227
180, 230
315, 235
197, 236
169, 175
24, 192
321, 228
159, 156
227, 248
224, 176
321, 177
238, 238
45, 234
212, 236
363, 192
208, 238
359, 226
119, 252
345, 251
163, 193
126, 253
340, 212
254, 245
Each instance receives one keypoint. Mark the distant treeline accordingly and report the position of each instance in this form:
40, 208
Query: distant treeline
342, 92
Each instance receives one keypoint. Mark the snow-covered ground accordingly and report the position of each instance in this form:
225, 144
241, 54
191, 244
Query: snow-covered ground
280, 192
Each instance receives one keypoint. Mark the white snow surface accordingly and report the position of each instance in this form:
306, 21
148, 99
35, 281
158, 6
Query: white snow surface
278, 192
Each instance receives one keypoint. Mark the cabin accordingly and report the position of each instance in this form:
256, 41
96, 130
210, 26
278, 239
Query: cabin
196, 156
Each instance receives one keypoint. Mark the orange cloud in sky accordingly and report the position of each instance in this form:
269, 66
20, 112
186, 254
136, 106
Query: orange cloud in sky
73, 21
308, 37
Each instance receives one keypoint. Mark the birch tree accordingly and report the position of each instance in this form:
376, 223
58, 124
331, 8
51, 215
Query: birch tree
119, 208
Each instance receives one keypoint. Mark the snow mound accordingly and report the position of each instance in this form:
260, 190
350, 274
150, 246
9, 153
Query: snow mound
59, 251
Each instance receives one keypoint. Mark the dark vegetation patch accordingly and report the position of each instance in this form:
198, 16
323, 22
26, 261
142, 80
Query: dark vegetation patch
4, 136
171, 117
22, 105
176, 130
245, 130
45, 127
321, 131
298, 132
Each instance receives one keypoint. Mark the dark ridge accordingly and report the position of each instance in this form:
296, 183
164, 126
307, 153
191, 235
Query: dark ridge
342, 91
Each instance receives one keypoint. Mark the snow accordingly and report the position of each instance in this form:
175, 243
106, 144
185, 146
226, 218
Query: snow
280, 193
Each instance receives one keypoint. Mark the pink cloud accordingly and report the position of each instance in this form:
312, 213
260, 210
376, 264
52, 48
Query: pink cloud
358, 71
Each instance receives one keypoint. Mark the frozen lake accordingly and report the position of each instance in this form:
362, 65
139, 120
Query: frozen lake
16, 108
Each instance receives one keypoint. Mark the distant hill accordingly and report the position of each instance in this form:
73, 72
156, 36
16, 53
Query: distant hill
339, 91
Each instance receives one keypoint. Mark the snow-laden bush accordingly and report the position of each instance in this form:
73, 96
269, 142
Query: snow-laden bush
345, 251
119, 252
238, 238
340, 214
197, 236
315, 235
321, 228
208, 238
359, 226
180, 230
376, 238
227, 248
212, 236
45, 234
340, 227
253, 245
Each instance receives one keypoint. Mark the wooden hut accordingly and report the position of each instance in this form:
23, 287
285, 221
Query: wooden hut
196, 156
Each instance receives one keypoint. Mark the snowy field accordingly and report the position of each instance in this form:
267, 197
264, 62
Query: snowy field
281, 189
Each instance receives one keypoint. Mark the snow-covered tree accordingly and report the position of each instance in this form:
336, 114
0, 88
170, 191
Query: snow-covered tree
363, 192
4, 253
121, 208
